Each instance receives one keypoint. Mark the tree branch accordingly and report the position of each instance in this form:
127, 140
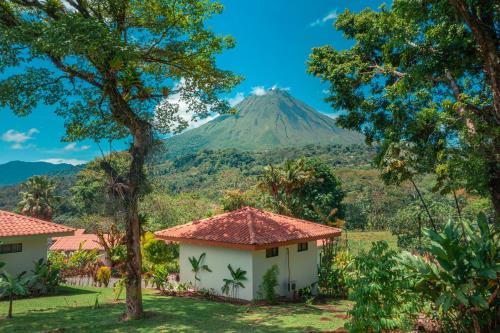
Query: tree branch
88, 77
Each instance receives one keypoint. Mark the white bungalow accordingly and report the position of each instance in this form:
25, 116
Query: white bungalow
253, 240
24, 240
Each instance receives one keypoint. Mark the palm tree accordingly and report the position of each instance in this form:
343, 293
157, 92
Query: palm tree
233, 284
12, 286
284, 183
198, 266
38, 199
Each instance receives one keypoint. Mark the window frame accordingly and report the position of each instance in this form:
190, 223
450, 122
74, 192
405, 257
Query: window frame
302, 247
11, 248
272, 252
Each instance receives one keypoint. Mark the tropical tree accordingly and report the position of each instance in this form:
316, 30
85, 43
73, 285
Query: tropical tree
11, 287
235, 282
197, 266
304, 188
113, 69
425, 72
37, 198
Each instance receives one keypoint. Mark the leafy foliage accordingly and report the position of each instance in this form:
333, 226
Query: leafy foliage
461, 276
269, 283
235, 282
37, 198
406, 81
198, 266
381, 292
304, 188
408, 223
45, 278
157, 251
333, 269
11, 287
103, 275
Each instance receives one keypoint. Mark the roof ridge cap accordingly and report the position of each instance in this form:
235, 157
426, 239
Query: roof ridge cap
301, 220
251, 227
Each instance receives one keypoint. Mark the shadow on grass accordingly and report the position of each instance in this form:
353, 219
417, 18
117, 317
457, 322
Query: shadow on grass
70, 291
169, 314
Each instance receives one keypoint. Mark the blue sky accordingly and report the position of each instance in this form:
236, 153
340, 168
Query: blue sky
274, 39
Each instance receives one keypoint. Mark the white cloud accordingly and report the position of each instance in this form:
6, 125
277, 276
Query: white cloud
19, 138
259, 91
72, 161
74, 147
332, 15
184, 112
236, 99
275, 86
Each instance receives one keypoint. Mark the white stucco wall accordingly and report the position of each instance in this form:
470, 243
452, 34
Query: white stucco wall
217, 259
303, 267
34, 248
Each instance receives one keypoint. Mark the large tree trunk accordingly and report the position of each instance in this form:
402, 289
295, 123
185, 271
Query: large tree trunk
482, 24
141, 133
136, 179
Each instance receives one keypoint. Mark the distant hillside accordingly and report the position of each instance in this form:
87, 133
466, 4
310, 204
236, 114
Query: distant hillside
273, 120
18, 171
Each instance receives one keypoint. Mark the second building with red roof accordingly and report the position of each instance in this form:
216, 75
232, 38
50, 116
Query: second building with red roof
254, 241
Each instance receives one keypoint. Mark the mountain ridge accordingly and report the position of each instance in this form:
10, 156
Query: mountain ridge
14, 172
273, 120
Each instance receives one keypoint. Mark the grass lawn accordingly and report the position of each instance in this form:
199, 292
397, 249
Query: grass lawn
362, 240
71, 310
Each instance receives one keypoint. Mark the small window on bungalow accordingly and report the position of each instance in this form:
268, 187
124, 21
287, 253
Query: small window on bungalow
272, 252
302, 247
11, 248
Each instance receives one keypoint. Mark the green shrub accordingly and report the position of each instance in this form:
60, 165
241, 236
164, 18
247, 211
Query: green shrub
333, 269
461, 276
158, 276
235, 282
57, 259
83, 260
157, 251
269, 284
381, 292
103, 275
45, 278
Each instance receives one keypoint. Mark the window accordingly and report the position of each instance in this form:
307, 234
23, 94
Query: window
11, 248
272, 252
302, 247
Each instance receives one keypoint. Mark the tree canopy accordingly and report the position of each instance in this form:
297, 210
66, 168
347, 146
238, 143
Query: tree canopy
108, 68
424, 72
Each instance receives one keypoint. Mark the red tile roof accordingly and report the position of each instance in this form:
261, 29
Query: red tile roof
248, 228
72, 243
12, 225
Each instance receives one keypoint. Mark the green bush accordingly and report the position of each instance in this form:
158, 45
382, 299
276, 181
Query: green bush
45, 278
157, 251
381, 291
57, 259
333, 269
158, 276
269, 284
461, 276
103, 275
